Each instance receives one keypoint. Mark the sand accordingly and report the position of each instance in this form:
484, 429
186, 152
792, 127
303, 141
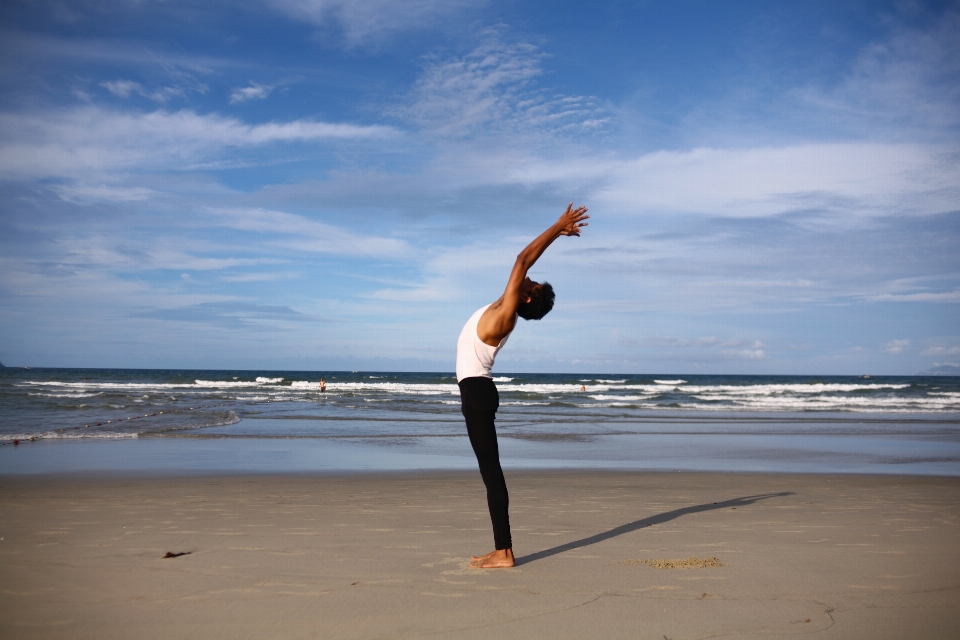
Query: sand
378, 556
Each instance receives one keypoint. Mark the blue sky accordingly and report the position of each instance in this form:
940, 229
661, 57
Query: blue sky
324, 185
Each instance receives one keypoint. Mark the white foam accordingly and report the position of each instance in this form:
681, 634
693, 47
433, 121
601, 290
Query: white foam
72, 434
221, 384
819, 387
821, 396
395, 387
807, 403
603, 405
543, 389
108, 385
160, 386
66, 395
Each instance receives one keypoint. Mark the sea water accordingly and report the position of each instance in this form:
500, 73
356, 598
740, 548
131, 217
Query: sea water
238, 421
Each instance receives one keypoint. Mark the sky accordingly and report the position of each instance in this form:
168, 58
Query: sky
774, 187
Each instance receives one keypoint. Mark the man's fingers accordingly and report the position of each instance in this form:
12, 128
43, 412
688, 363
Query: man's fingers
578, 215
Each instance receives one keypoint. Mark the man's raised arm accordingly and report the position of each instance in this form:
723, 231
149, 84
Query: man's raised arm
500, 318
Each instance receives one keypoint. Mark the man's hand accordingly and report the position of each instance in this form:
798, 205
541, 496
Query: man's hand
572, 220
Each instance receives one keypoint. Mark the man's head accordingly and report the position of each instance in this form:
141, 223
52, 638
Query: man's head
536, 300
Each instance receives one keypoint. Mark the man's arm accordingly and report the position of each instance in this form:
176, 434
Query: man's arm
500, 319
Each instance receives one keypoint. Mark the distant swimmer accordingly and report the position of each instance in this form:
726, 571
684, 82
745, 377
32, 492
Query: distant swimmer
323, 386
480, 340
583, 387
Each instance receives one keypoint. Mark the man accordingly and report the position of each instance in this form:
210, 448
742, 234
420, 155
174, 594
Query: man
482, 338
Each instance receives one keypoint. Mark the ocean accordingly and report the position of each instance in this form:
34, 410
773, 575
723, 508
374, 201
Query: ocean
279, 421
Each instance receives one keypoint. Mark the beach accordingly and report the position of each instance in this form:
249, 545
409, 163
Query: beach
197, 504
360, 555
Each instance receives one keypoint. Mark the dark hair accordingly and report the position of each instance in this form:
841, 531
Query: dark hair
541, 301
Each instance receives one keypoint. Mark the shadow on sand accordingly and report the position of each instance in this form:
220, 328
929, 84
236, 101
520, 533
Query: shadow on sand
647, 522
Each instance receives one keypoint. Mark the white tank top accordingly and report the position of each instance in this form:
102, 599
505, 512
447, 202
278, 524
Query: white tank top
474, 356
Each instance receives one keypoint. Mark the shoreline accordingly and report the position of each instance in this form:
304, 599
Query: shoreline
727, 453
366, 555
126, 475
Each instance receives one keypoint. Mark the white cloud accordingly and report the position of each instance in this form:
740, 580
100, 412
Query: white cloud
843, 180
75, 250
945, 296
747, 354
476, 269
107, 193
72, 141
269, 276
728, 348
941, 351
854, 178
491, 91
98, 50
158, 252
897, 346
85, 286
363, 20
124, 88
308, 235
706, 341
909, 82
253, 92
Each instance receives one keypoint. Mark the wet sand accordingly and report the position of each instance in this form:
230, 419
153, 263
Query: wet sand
375, 556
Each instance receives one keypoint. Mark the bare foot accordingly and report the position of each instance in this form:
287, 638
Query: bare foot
499, 559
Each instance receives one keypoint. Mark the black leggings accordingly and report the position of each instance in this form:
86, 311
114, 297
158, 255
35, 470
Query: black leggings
480, 400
